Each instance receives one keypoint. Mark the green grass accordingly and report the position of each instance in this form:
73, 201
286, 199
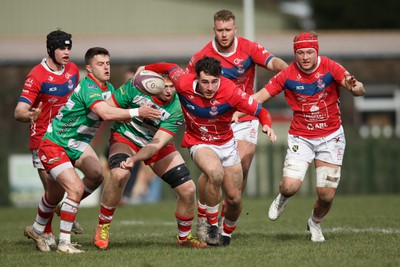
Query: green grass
359, 231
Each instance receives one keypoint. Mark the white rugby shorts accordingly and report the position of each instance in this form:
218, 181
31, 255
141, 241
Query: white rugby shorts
246, 131
228, 152
329, 148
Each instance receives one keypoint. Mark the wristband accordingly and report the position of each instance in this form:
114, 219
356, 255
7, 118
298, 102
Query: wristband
264, 117
134, 112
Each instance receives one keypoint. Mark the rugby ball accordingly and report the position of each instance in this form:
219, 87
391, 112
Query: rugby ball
149, 82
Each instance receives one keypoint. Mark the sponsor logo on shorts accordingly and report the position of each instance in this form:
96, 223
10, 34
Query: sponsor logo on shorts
52, 160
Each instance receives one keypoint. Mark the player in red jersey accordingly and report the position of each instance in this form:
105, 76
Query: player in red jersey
208, 103
312, 89
239, 58
46, 89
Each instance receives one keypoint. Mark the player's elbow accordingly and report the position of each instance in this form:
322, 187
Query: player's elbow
19, 116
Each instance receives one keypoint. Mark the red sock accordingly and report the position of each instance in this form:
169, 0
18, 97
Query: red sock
223, 204
184, 226
106, 214
228, 230
201, 211
45, 214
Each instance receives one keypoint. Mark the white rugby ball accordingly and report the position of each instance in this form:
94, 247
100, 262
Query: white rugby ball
149, 82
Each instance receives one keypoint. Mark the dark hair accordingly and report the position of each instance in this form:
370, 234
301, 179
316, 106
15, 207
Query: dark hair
224, 15
209, 65
57, 39
94, 51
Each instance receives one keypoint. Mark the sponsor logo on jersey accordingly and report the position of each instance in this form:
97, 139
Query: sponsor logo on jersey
214, 102
238, 61
95, 95
50, 78
28, 82
52, 89
320, 84
52, 100
214, 111
321, 125
190, 106
179, 122
92, 85
203, 129
106, 95
70, 84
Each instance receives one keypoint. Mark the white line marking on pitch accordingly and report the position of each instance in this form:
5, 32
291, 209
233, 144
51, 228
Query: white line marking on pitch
364, 230
326, 230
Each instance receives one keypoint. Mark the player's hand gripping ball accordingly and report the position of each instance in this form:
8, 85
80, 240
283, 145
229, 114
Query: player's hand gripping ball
149, 82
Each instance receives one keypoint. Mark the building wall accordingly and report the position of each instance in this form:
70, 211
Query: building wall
141, 17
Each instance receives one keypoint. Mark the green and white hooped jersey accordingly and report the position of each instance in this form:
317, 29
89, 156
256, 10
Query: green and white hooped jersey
75, 124
141, 131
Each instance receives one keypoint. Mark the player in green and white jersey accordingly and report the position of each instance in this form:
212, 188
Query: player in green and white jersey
151, 138
66, 146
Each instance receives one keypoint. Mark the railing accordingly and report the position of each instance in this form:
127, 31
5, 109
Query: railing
369, 166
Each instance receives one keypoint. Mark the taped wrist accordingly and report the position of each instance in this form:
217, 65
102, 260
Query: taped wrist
134, 112
264, 117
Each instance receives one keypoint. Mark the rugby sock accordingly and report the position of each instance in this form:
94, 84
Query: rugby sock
44, 216
315, 218
201, 210
223, 204
184, 226
212, 215
229, 227
68, 212
106, 214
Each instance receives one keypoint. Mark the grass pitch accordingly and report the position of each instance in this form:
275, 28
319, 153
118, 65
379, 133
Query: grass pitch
359, 231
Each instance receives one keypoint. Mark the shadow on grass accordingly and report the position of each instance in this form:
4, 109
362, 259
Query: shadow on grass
272, 236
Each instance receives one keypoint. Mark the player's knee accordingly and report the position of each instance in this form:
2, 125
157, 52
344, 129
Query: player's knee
295, 169
289, 190
328, 177
76, 191
177, 175
186, 191
119, 177
234, 201
216, 177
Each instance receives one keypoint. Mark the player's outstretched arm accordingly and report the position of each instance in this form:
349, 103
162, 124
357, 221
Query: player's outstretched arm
270, 133
276, 64
262, 95
354, 86
24, 113
160, 139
